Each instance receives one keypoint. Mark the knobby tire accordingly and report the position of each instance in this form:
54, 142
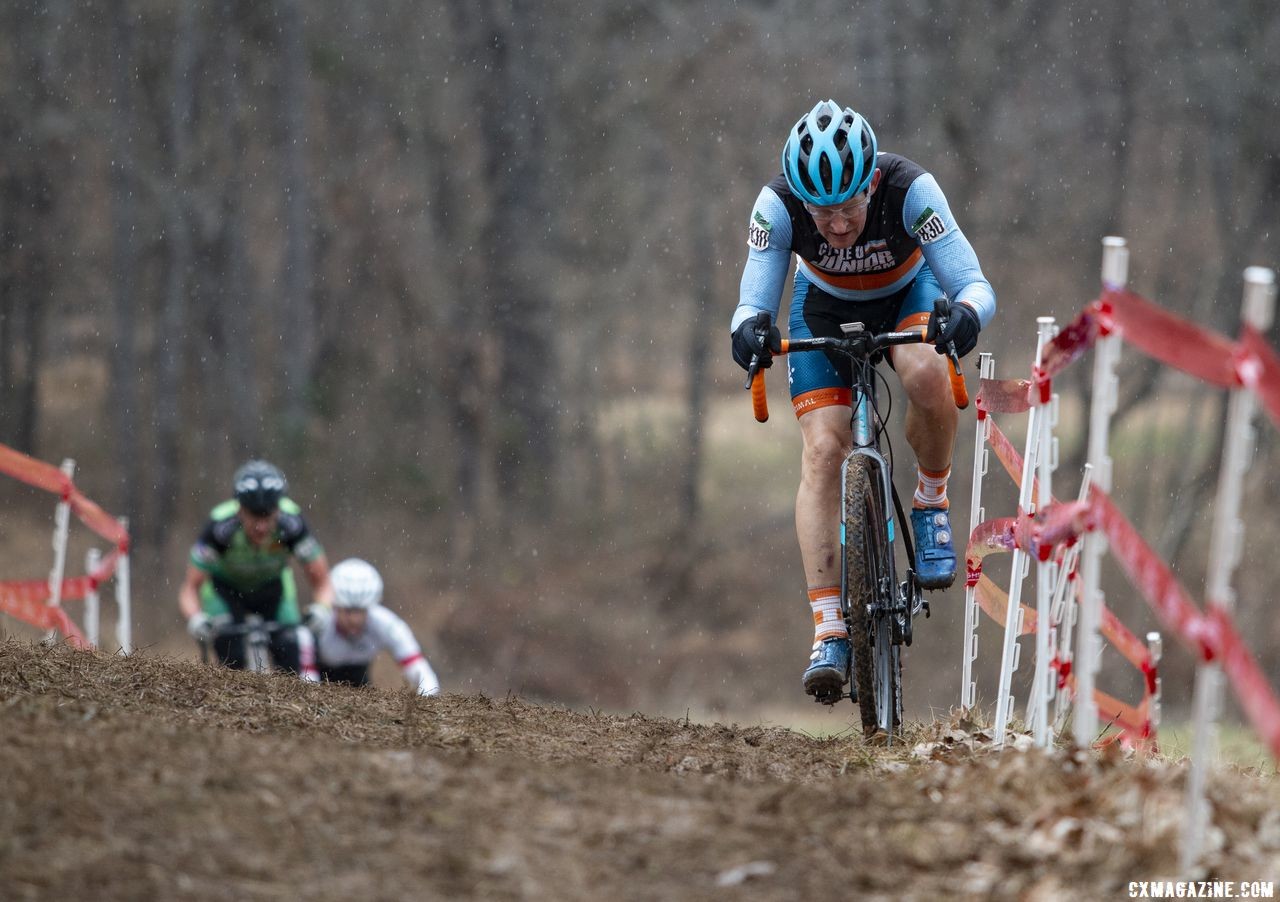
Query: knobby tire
866, 552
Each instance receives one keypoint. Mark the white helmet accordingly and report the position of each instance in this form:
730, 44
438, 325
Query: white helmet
356, 584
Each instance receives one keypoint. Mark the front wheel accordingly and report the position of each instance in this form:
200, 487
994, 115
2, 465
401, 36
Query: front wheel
868, 591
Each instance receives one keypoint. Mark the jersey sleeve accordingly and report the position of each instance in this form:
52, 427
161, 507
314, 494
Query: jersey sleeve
297, 537
418, 673
394, 635
208, 548
928, 217
768, 259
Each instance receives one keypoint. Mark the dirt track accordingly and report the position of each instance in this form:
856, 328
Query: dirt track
145, 778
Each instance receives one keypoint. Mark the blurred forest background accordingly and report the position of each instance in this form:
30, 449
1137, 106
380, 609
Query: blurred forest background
465, 270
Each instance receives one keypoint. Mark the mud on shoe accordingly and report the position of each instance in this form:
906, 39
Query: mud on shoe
828, 669
935, 555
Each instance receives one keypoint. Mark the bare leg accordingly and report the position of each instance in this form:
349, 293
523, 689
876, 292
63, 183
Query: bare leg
932, 417
931, 431
826, 442
825, 432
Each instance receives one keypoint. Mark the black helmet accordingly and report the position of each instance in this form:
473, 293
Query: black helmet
259, 486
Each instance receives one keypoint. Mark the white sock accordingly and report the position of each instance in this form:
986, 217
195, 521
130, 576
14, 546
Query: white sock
828, 622
931, 490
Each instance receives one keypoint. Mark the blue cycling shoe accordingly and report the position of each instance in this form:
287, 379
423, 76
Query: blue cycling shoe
829, 671
935, 555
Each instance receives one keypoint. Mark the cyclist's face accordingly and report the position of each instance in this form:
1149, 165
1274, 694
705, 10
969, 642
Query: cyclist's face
258, 527
841, 224
351, 621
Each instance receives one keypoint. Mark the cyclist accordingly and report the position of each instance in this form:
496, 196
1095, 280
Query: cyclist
875, 242
361, 627
239, 565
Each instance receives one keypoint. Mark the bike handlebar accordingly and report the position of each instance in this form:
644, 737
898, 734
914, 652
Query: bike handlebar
859, 345
244, 628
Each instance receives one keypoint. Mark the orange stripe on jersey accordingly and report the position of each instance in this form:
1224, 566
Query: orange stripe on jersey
821, 397
868, 281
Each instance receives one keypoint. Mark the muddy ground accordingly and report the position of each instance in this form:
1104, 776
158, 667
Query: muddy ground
149, 778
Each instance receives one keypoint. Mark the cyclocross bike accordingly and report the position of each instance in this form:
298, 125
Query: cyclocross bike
256, 633
878, 607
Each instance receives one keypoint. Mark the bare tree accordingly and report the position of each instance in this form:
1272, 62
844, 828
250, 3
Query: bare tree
124, 257
296, 316
172, 343
234, 401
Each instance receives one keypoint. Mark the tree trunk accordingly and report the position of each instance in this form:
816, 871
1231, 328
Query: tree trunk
24, 290
171, 344
123, 412
296, 317
235, 310
696, 393
516, 308
481, 316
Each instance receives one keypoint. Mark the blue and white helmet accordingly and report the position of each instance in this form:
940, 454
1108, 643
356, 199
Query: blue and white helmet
830, 155
356, 584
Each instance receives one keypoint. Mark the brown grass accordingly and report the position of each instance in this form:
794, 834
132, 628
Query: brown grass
148, 778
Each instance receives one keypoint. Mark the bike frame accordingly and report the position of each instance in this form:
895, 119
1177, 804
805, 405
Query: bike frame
890, 597
866, 445
256, 641
255, 632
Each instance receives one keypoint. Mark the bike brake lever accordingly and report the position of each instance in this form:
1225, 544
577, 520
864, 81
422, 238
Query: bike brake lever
953, 356
938, 322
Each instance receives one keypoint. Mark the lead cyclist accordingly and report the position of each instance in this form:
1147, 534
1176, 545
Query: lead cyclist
875, 242
239, 566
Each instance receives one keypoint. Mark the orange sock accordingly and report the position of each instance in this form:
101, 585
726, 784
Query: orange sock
828, 622
931, 490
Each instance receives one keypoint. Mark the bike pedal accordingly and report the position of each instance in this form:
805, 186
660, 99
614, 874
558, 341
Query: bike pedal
829, 697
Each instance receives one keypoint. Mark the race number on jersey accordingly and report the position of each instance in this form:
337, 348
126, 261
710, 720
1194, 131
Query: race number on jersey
929, 226
758, 232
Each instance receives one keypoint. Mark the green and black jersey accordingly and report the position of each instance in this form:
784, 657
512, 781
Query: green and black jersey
245, 575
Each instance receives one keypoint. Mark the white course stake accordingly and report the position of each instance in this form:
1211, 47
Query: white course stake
968, 688
92, 559
1155, 649
1041, 685
1115, 275
124, 614
1224, 553
1011, 652
1065, 610
61, 530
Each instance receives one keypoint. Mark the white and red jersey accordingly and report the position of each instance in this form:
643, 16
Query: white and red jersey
383, 630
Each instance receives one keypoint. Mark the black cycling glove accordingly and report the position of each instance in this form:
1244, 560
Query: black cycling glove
751, 339
962, 328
